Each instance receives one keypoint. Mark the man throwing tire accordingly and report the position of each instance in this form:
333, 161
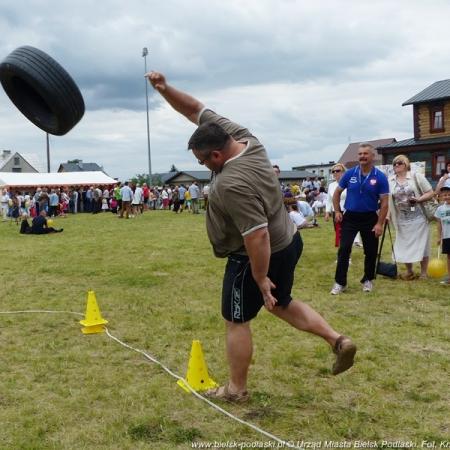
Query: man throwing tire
247, 223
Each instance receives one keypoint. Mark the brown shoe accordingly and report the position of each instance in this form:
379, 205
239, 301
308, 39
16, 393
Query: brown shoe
345, 351
408, 276
223, 393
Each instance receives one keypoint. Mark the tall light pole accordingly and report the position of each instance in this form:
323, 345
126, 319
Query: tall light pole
144, 54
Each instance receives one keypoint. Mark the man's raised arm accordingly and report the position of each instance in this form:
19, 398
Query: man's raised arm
183, 103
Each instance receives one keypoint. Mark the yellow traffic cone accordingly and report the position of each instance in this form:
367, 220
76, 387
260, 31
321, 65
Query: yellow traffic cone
197, 373
93, 322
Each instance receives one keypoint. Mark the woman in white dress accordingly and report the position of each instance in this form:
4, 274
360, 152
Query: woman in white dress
412, 237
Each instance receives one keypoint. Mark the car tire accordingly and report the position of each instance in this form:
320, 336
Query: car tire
42, 90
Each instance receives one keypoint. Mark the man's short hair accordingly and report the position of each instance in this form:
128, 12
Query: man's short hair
367, 145
444, 189
209, 136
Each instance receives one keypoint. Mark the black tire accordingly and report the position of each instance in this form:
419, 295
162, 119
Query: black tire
42, 90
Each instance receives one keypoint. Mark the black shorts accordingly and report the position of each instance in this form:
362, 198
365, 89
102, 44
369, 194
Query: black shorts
241, 297
446, 246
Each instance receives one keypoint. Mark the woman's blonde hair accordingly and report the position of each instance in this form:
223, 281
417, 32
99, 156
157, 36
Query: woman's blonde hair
340, 166
404, 159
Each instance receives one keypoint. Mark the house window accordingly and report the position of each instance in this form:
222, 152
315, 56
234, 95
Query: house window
439, 165
16, 161
16, 169
437, 119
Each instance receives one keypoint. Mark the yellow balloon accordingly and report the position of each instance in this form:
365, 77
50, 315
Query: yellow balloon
49, 222
437, 268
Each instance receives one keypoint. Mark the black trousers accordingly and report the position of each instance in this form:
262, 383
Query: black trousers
351, 224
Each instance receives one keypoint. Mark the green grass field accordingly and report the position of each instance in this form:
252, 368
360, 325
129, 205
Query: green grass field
159, 285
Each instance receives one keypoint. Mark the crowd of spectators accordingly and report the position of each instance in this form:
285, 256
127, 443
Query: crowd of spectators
407, 192
305, 202
125, 199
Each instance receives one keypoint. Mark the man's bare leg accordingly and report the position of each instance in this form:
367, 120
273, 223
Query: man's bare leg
239, 353
304, 318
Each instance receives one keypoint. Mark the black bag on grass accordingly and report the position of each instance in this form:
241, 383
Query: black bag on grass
387, 269
384, 268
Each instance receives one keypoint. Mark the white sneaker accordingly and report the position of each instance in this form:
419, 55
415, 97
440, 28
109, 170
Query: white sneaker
367, 286
337, 289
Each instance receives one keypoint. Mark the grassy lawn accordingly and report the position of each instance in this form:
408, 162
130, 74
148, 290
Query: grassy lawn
159, 285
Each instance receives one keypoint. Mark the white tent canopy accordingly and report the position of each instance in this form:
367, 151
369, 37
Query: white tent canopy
55, 179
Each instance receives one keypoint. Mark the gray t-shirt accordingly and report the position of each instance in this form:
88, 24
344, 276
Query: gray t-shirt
245, 196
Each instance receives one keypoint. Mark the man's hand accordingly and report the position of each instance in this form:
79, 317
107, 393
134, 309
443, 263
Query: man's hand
185, 104
327, 217
266, 286
378, 230
338, 216
157, 80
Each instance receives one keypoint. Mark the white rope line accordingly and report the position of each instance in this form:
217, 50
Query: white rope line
174, 375
210, 403
41, 311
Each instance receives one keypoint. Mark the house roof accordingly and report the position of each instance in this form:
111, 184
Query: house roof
412, 142
440, 90
5, 161
31, 158
205, 175
350, 156
295, 174
80, 167
305, 166
54, 179
201, 175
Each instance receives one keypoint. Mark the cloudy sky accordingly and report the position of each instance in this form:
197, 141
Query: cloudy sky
306, 77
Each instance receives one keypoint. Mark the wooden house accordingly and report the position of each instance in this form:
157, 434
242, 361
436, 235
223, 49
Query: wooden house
431, 141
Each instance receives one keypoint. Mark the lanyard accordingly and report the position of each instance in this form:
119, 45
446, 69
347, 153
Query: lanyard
361, 183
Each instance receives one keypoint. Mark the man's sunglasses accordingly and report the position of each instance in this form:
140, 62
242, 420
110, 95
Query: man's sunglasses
336, 171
